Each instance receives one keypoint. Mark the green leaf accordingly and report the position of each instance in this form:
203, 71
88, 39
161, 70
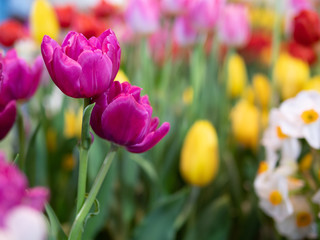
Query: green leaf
56, 232
31, 157
95, 213
85, 136
146, 166
159, 223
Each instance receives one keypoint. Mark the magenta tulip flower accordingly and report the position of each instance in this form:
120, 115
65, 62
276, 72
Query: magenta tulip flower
143, 16
14, 192
7, 118
184, 33
233, 27
18, 80
82, 68
204, 14
123, 117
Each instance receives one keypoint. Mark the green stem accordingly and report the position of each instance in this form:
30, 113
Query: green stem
21, 131
83, 165
76, 229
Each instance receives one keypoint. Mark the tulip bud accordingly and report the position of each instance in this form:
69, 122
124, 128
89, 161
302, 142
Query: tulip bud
123, 117
43, 21
245, 124
237, 76
7, 118
291, 74
199, 160
262, 90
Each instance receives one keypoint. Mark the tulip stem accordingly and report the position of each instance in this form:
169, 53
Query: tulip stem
77, 226
21, 132
83, 165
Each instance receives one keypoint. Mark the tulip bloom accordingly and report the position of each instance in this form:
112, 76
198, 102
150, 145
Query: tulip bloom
306, 27
7, 118
82, 68
184, 33
123, 117
143, 16
18, 81
233, 27
20, 206
303, 52
11, 31
199, 161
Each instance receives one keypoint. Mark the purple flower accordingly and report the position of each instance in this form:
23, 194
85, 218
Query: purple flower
204, 14
7, 118
123, 117
14, 192
184, 32
18, 80
233, 27
82, 68
143, 16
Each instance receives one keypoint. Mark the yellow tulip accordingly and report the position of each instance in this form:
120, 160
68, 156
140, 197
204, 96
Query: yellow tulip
199, 161
291, 74
262, 90
313, 84
43, 21
262, 18
245, 122
72, 123
187, 96
121, 77
237, 76
248, 94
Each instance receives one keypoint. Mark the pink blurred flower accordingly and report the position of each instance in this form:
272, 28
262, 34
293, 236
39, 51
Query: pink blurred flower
233, 27
82, 68
18, 80
143, 16
7, 118
204, 14
123, 117
184, 33
174, 7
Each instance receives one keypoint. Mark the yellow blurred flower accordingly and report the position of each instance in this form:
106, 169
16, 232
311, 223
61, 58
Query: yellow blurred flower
237, 76
43, 21
245, 123
68, 162
72, 123
305, 162
51, 139
187, 96
248, 94
313, 84
291, 75
121, 77
199, 161
262, 90
262, 18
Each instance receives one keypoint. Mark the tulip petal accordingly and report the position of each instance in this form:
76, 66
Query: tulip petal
96, 73
150, 140
128, 119
7, 118
36, 198
48, 46
66, 73
74, 44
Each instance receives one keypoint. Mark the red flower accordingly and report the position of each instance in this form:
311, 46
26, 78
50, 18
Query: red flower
305, 53
65, 15
88, 25
306, 27
10, 31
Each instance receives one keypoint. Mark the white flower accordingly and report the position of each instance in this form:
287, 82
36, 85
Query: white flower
274, 139
301, 117
272, 190
316, 199
24, 223
300, 224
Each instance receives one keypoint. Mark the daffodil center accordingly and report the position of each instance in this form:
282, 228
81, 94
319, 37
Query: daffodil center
280, 134
263, 167
309, 116
303, 219
275, 197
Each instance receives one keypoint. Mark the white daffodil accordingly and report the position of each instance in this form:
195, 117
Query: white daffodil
301, 117
300, 224
24, 223
274, 139
316, 199
272, 190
